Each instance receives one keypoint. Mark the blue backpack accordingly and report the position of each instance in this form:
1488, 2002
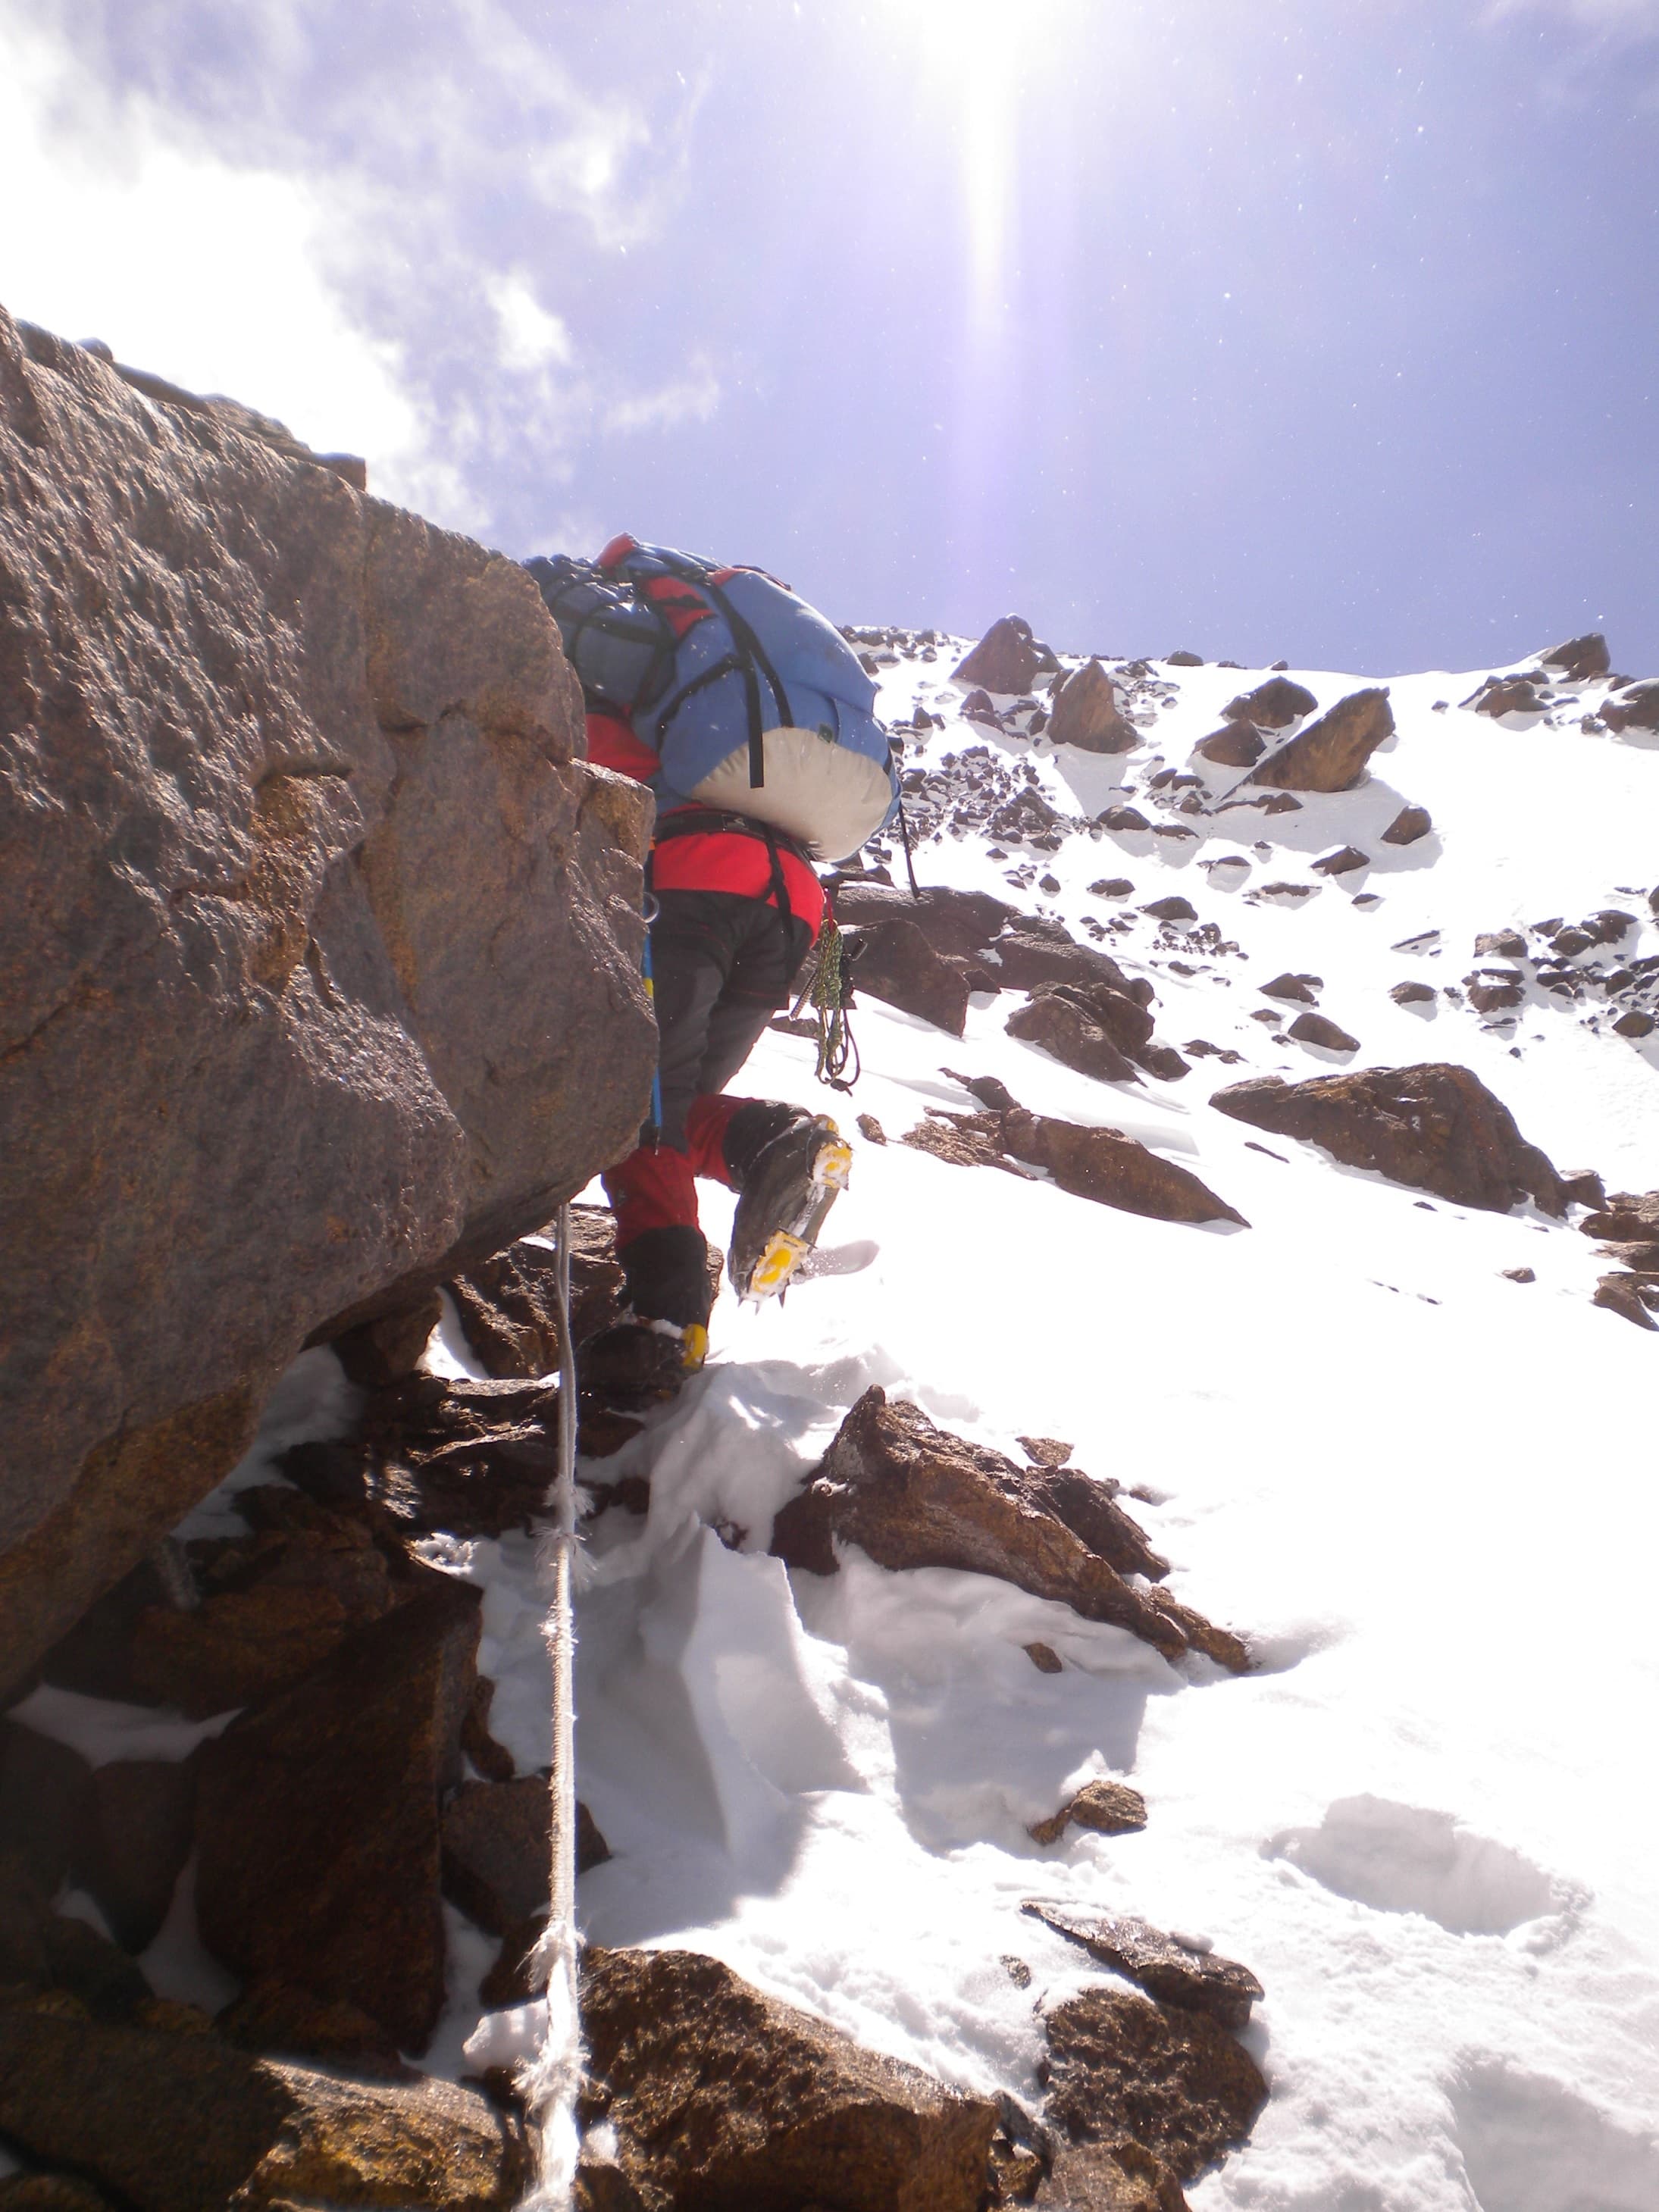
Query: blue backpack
745, 697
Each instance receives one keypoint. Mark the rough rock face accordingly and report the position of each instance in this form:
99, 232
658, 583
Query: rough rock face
1330, 754
1086, 714
896, 963
181, 2123
1634, 707
508, 1303
318, 1818
911, 1495
1434, 1128
318, 957
1163, 1966
1113, 1169
961, 923
1237, 746
1273, 705
1005, 660
1062, 1021
1107, 1809
1034, 950
721, 2095
1408, 826
1169, 2080
1580, 658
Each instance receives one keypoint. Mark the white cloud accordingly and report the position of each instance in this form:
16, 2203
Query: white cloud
209, 275
530, 338
371, 223
692, 397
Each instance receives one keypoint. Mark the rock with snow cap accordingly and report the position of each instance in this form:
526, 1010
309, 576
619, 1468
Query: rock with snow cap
1113, 1169
1273, 705
1580, 658
1634, 707
1174, 1971
911, 1495
717, 2094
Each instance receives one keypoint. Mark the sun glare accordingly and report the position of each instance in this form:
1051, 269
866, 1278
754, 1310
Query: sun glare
975, 64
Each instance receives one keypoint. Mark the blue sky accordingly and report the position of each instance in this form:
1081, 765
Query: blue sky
1326, 331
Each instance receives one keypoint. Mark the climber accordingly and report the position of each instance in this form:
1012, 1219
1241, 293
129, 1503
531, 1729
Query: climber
750, 719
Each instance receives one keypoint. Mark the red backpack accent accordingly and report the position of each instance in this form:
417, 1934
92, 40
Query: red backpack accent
611, 742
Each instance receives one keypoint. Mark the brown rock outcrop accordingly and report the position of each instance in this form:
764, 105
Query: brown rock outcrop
288, 1600
962, 923
176, 2122
1036, 950
1580, 658
1086, 714
498, 1850
722, 2096
1342, 862
1005, 659
895, 962
1330, 754
1165, 1968
1506, 695
1408, 826
911, 1495
471, 1459
1273, 705
1623, 1295
508, 1305
1237, 746
1065, 1021
1300, 987
1635, 707
1113, 1169
1170, 2081
319, 966
1434, 1128
1106, 1809
318, 1818
1629, 1217
1319, 1030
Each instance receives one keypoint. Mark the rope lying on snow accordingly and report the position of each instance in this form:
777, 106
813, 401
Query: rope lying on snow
550, 2080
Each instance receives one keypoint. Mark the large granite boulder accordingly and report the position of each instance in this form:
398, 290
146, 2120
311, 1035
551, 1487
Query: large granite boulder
318, 945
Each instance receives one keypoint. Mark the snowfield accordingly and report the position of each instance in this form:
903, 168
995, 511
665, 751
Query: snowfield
1424, 1491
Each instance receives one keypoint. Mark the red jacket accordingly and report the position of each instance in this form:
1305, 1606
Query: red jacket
735, 859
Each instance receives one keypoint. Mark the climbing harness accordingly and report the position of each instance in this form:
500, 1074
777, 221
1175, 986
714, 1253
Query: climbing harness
550, 2080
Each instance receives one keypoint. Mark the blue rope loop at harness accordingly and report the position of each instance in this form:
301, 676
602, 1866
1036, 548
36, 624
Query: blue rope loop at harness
650, 911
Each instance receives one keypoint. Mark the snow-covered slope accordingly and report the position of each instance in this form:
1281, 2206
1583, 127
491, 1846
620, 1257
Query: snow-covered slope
1422, 1489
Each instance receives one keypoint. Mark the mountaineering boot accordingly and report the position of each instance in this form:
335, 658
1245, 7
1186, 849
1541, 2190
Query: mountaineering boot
787, 1192
635, 1363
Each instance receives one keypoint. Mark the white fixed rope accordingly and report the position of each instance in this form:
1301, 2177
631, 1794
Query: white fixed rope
552, 2080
